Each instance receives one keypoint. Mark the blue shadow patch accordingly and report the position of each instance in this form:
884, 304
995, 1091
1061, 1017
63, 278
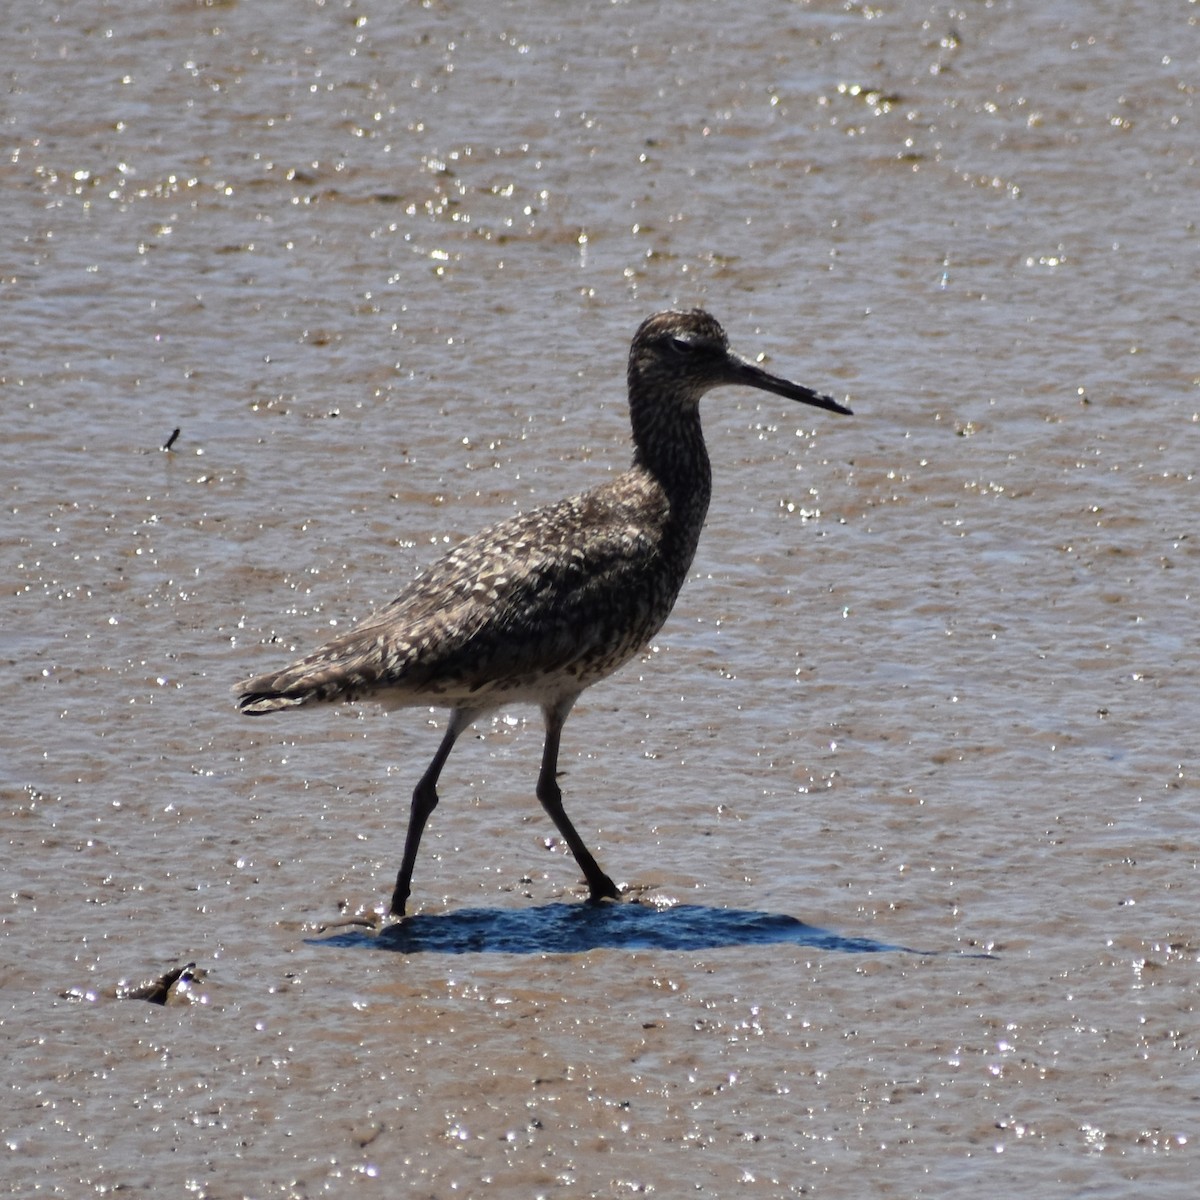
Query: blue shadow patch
576, 928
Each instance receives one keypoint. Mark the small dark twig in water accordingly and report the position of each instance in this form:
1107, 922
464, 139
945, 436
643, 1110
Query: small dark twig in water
171, 440
158, 991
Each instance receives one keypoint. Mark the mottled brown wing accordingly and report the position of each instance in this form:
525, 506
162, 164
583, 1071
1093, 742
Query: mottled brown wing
510, 608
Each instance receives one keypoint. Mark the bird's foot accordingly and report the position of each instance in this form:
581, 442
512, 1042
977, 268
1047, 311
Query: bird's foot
602, 888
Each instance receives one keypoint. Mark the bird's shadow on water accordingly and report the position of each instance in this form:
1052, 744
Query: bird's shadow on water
575, 928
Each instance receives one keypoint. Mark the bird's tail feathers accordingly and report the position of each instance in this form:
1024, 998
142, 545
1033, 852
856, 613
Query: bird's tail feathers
303, 683
254, 704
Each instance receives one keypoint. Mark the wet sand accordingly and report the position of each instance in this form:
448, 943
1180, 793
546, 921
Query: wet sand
903, 796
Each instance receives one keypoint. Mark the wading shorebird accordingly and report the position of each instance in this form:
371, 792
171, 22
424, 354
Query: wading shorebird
543, 605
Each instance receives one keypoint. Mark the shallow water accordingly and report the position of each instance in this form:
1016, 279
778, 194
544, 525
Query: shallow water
904, 794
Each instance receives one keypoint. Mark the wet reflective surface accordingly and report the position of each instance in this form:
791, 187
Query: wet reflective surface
903, 795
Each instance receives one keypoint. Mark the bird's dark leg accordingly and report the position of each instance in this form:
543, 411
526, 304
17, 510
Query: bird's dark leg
424, 801
550, 795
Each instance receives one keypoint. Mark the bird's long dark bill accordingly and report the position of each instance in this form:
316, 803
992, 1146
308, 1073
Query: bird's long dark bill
746, 373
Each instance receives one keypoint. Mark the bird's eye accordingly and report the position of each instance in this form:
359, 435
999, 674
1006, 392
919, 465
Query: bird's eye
680, 345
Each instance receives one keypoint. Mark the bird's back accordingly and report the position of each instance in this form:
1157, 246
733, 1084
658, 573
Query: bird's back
538, 606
